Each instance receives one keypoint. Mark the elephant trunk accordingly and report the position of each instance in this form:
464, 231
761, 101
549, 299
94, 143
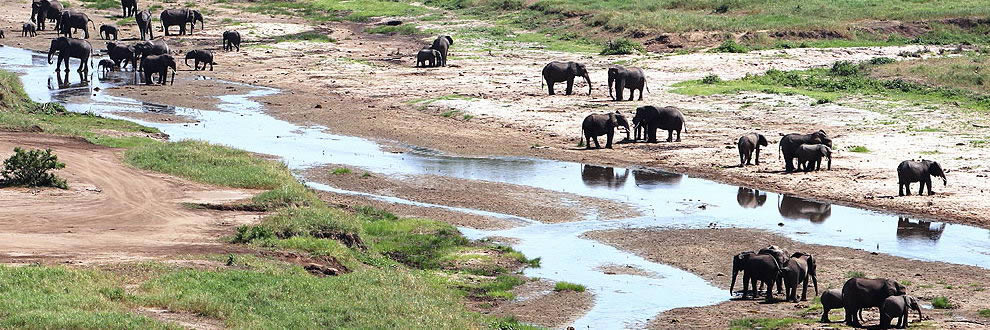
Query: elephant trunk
814, 279
51, 51
830, 161
945, 182
588, 79
732, 284
173, 74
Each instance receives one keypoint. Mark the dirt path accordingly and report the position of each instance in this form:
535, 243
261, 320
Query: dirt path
110, 212
708, 253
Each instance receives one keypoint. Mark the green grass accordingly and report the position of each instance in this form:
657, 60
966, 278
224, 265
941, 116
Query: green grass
766, 323
209, 163
567, 286
101, 4
941, 302
858, 149
305, 36
730, 46
855, 274
126, 21
340, 171
404, 29
337, 10
622, 46
985, 313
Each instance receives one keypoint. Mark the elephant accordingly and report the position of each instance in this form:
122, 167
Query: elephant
29, 30
798, 269
105, 66
918, 171
70, 48
798, 208
750, 198
831, 299
121, 55
108, 30
782, 256
666, 118
555, 72
158, 64
35, 9
599, 124
859, 293
200, 56
906, 228
128, 7
810, 156
148, 48
790, 143
649, 179
143, 20
622, 78
427, 55
442, 45
74, 20
181, 17
231, 40
899, 307
756, 268
747, 145
1, 35
600, 176
47, 10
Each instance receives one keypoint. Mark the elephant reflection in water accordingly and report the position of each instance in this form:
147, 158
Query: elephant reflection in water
798, 208
648, 178
906, 228
750, 198
600, 176
64, 82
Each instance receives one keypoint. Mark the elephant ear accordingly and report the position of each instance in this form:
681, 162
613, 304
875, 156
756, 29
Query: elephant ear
612, 121
449, 39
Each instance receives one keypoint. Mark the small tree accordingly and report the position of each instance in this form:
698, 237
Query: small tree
30, 168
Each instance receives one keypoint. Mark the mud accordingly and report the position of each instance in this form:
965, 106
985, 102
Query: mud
538, 304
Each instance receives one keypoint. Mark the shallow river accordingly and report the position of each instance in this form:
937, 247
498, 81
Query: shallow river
667, 199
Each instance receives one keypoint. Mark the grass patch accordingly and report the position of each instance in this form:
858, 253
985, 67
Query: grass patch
941, 302
340, 171
729, 46
622, 47
126, 21
766, 323
711, 79
404, 29
101, 4
567, 286
858, 149
337, 10
209, 163
305, 36
985, 313
855, 274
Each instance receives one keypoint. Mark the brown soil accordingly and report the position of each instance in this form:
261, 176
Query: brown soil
110, 212
538, 304
708, 252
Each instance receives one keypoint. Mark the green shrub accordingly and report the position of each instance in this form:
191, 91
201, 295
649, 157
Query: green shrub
340, 170
941, 302
711, 79
844, 68
855, 274
730, 46
567, 286
30, 168
822, 101
881, 60
858, 149
622, 47
985, 313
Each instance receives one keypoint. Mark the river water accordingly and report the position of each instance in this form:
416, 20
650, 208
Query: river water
667, 199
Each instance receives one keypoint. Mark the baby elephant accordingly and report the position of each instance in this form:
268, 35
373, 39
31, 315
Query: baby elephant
596, 125
918, 171
810, 156
427, 55
749, 143
200, 56
107, 31
106, 66
29, 30
899, 307
231, 40
831, 299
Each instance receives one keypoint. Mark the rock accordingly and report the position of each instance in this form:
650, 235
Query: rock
319, 106
321, 270
719, 274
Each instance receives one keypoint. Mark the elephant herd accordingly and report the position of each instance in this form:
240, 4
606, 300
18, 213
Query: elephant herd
774, 266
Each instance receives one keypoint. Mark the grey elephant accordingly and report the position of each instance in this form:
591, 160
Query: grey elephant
755, 267
750, 198
143, 20
622, 78
810, 156
652, 118
859, 293
899, 307
128, 7
147, 48
107, 31
789, 144
231, 40
70, 48
181, 17
442, 45
782, 257
797, 271
596, 125
918, 171
47, 10
748, 144
29, 30
555, 72
830, 299
427, 57
158, 64
121, 55
200, 56
74, 20
105, 66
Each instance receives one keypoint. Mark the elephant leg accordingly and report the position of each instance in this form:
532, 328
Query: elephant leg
570, 86
652, 130
921, 188
641, 94
549, 86
900, 189
825, 315
597, 146
804, 291
608, 143
678, 135
670, 135
745, 286
587, 142
929, 183
851, 317
742, 159
780, 283
757, 156
770, 291
632, 92
907, 188
619, 88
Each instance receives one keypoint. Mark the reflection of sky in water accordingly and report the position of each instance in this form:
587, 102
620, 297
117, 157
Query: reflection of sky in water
662, 197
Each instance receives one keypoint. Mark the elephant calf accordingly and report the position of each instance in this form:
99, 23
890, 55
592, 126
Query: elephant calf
666, 118
231, 40
810, 156
427, 55
899, 307
200, 56
918, 171
747, 145
798, 269
29, 30
105, 66
859, 293
107, 31
596, 125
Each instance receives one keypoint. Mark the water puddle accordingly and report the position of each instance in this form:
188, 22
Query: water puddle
667, 199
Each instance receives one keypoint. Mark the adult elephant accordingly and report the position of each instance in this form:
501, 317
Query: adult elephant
148, 48
918, 171
599, 124
158, 64
47, 10
181, 17
750, 198
121, 55
67, 48
555, 72
128, 7
621, 78
810, 156
748, 144
789, 145
798, 269
652, 118
602, 176
798, 208
143, 19
755, 267
782, 256
74, 20
442, 45
859, 293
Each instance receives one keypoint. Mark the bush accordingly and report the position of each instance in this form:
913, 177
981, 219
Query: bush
622, 47
30, 168
567, 286
881, 60
730, 46
941, 302
844, 68
711, 79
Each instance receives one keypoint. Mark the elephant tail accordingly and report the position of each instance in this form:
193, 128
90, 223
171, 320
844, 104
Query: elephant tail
780, 151
684, 126
647, 85
541, 88
94, 25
